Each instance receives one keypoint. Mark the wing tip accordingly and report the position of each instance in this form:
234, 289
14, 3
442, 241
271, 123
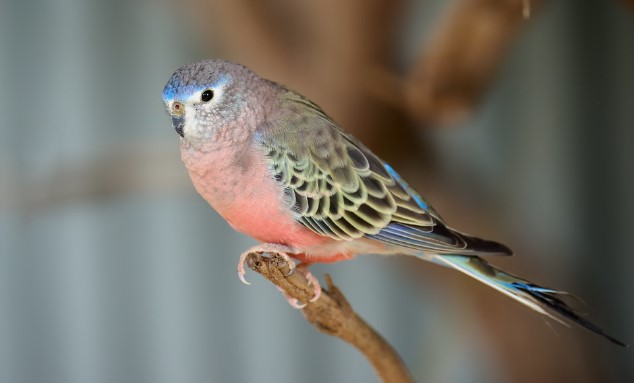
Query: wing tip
485, 246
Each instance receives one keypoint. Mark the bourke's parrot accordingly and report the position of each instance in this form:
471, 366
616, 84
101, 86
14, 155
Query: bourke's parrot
277, 168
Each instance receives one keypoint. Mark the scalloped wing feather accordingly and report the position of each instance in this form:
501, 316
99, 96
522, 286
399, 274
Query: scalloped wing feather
338, 188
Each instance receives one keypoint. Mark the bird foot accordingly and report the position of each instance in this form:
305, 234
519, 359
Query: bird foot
312, 280
282, 252
270, 248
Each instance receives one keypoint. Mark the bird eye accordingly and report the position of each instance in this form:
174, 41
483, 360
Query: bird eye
207, 95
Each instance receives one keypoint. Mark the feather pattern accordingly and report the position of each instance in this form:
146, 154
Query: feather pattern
546, 301
338, 188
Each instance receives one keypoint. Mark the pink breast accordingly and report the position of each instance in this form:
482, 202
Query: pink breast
247, 196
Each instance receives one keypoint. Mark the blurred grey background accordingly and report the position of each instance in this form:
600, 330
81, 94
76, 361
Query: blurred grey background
112, 269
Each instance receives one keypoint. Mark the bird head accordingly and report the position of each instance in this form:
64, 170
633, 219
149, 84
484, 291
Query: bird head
206, 95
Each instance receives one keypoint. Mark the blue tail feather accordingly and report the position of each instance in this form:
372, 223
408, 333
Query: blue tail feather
541, 299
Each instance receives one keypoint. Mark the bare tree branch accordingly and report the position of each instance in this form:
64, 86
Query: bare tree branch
333, 315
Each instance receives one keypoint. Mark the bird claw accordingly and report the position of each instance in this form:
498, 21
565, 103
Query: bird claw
264, 248
312, 280
280, 251
241, 271
293, 302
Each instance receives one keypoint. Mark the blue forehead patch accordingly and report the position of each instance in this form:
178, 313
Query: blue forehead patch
178, 88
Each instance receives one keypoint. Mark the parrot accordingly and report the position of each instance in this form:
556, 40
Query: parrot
276, 167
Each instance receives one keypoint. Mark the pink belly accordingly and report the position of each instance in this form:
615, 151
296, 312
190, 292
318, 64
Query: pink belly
264, 218
249, 198
268, 224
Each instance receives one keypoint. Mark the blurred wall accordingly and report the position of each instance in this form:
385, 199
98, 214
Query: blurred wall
112, 269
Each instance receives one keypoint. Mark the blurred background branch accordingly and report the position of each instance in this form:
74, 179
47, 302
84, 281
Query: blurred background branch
460, 60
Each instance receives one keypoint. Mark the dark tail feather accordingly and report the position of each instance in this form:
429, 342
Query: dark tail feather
543, 300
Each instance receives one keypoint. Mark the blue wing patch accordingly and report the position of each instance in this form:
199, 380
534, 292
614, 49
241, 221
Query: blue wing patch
397, 177
436, 237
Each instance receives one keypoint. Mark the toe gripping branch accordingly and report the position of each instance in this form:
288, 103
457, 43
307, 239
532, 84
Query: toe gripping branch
298, 288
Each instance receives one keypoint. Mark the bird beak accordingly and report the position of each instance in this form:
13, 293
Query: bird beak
178, 122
